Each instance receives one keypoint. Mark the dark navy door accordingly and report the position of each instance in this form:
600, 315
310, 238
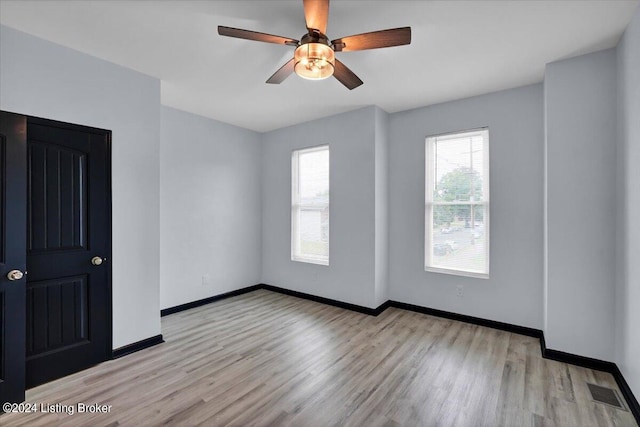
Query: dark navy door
13, 230
68, 310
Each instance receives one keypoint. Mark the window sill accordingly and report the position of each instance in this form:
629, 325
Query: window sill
457, 272
311, 260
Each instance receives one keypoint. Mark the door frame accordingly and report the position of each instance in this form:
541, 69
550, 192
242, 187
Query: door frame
108, 215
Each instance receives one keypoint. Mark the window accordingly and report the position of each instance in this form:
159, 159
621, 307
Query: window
310, 205
457, 203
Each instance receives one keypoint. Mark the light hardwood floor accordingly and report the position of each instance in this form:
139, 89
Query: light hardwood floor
268, 359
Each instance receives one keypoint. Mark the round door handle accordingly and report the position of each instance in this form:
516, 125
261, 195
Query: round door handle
96, 260
15, 275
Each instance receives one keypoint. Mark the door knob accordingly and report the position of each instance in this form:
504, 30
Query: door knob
96, 260
15, 275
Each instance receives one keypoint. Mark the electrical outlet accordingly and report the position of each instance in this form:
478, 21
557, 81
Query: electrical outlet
206, 280
460, 290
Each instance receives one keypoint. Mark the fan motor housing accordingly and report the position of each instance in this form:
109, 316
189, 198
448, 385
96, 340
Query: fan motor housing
314, 37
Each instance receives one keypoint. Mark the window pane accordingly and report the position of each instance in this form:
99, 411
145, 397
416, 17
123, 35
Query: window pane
452, 216
314, 232
459, 242
314, 177
458, 168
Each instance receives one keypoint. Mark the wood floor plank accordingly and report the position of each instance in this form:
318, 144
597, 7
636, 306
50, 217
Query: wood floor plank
267, 359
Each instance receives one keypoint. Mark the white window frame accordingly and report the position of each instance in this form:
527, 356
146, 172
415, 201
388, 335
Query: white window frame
430, 203
296, 207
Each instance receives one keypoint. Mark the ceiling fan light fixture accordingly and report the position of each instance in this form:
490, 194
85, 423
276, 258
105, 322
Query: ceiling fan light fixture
314, 58
314, 61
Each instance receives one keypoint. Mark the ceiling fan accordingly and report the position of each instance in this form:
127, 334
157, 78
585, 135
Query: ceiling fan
314, 57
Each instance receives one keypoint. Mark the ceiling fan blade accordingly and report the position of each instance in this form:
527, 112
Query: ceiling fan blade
346, 76
373, 40
285, 71
316, 13
256, 36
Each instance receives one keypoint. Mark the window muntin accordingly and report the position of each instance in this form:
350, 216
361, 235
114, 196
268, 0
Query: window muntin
457, 203
310, 205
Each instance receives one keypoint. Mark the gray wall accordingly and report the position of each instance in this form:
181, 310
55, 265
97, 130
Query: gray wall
513, 293
43, 79
381, 182
628, 243
210, 207
349, 277
580, 119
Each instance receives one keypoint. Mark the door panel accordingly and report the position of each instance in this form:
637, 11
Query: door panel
68, 298
57, 191
64, 321
13, 204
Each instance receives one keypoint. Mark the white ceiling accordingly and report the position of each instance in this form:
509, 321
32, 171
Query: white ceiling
459, 49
